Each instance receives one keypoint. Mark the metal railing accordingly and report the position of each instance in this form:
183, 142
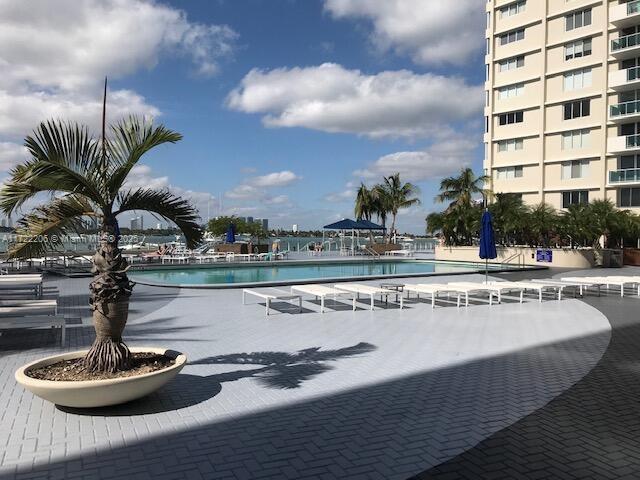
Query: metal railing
624, 175
625, 42
625, 108
508, 261
633, 7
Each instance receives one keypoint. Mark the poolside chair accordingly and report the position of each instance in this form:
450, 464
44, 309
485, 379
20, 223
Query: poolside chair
321, 292
29, 282
472, 288
17, 314
269, 295
367, 290
538, 286
496, 288
621, 282
433, 289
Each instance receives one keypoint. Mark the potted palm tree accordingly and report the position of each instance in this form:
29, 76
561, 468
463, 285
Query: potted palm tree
87, 177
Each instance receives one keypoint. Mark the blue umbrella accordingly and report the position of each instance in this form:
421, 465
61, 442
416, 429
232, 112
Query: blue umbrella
487, 241
231, 233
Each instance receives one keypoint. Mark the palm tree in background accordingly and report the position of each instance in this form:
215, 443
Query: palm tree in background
365, 205
87, 177
394, 195
509, 213
461, 189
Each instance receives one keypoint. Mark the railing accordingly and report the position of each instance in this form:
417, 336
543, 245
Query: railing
625, 175
371, 251
625, 108
632, 141
509, 260
633, 7
625, 42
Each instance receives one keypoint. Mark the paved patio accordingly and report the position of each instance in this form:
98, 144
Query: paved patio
384, 394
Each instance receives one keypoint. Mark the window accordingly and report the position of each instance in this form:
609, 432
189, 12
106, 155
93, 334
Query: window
511, 117
511, 91
575, 169
512, 36
486, 124
575, 139
577, 79
578, 49
512, 63
486, 72
629, 162
506, 173
579, 108
577, 19
488, 46
512, 9
510, 145
629, 197
574, 198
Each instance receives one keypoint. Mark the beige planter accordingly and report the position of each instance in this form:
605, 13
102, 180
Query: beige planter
98, 393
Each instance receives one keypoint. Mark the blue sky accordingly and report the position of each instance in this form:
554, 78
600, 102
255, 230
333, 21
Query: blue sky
285, 105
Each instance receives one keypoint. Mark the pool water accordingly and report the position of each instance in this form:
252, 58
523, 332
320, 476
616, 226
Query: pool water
274, 272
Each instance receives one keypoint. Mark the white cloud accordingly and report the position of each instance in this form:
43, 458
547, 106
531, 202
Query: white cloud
439, 159
70, 44
255, 188
430, 31
331, 98
11, 154
275, 179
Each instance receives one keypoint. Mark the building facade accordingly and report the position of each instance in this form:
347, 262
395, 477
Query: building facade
562, 111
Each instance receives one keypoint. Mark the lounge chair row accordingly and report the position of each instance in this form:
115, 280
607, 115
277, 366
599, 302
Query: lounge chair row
461, 290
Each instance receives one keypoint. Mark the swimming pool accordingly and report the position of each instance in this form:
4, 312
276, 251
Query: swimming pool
296, 272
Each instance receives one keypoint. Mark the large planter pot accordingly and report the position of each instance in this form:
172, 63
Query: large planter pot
99, 393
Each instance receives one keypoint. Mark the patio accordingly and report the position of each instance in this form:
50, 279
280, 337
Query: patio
384, 394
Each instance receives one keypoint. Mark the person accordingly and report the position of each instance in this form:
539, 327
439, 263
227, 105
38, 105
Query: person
250, 247
275, 247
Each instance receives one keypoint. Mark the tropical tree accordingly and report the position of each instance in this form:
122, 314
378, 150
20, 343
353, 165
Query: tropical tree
509, 213
463, 188
394, 195
87, 177
541, 221
365, 205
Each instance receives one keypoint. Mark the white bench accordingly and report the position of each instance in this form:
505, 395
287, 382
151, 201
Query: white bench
321, 292
270, 294
367, 290
35, 321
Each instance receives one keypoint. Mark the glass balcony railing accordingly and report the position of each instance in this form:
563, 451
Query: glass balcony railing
633, 7
626, 175
632, 141
626, 108
633, 73
625, 42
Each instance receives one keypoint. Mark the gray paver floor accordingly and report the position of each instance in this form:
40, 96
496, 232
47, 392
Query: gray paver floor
380, 394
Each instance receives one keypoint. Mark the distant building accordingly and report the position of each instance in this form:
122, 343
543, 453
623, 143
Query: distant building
294, 228
249, 220
158, 226
265, 223
137, 223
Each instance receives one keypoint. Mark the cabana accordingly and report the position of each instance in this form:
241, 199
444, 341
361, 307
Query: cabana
347, 224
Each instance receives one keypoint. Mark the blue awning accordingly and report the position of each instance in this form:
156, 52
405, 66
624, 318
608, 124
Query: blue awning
348, 224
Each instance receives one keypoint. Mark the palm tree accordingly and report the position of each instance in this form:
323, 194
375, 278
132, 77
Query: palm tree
541, 221
395, 195
509, 213
87, 177
463, 188
365, 203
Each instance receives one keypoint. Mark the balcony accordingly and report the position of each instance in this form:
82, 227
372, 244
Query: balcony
628, 79
626, 47
626, 14
630, 175
628, 144
623, 112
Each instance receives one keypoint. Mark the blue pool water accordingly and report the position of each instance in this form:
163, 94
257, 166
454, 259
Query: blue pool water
274, 272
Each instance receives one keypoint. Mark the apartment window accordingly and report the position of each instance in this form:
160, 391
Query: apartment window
510, 145
486, 72
574, 197
511, 91
575, 139
629, 162
512, 63
575, 169
488, 46
578, 49
488, 20
629, 197
506, 173
577, 79
577, 19
579, 108
512, 9
486, 124
511, 117
512, 36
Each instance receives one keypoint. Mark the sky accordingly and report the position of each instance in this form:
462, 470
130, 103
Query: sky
285, 106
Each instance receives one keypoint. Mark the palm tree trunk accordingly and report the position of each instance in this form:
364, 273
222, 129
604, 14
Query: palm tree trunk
110, 292
393, 226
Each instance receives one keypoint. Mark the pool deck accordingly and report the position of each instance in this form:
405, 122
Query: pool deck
532, 390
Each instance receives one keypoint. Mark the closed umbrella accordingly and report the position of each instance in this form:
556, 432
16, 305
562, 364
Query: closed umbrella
231, 233
487, 242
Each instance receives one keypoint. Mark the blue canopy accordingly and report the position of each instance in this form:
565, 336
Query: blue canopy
487, 240
231, 233
348, 224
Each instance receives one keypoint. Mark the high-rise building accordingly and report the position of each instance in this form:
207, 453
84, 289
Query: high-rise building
265, 224
294, 228
137, 223
249, 219
562, 111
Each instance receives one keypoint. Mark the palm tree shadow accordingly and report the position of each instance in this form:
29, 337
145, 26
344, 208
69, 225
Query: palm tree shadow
281, 370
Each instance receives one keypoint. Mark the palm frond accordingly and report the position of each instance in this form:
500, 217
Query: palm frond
166, 205
131, 139
43, 229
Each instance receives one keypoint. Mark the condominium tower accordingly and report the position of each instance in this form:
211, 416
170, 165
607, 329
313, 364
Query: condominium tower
562, 112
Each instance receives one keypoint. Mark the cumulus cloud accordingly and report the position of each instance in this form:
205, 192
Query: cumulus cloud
348, 194
430, 32
11, 154
439, 159
334, 99
275, 179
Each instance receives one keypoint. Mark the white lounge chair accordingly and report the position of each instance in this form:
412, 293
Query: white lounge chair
31, 282
367, 290
12, 308
581, 287
621, 282
321, 292
433, 289
472, 288
498, 288
34, 321
538, 286
271, 294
